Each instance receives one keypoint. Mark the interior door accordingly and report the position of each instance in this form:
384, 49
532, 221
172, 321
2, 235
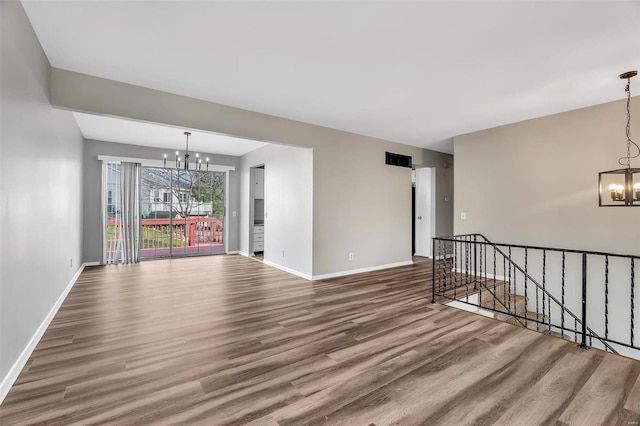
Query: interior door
424, 211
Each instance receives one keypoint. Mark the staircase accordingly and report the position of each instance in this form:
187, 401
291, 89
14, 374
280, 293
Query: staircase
512, 308
465, 274
494, 300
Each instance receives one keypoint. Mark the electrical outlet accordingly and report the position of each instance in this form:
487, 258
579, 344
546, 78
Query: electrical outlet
282, 253
234, 214
351, 256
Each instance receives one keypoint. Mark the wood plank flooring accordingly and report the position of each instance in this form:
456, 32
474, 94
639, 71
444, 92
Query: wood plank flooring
228, 340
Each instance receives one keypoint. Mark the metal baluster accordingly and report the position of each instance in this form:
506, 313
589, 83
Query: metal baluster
467, 261
450, 266
455, 267
494, 267
509, 295
544, 290
526, 279
481, 257
633, 296
479, 276
583, 343
515, 290
434, 265
562, 304
445, 265
483, 254
538, 310
606, 298
466, 286
494, 273
475, 262
504, 277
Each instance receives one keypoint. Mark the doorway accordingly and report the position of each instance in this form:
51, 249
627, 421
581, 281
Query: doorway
257, 211
424, 211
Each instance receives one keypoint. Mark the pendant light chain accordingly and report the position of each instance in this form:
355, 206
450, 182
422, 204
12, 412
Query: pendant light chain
186, 152
628, 158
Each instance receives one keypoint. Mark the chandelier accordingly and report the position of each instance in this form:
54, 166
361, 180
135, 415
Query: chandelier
621, 187
179, 163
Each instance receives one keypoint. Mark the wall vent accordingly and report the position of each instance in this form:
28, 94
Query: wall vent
398, 160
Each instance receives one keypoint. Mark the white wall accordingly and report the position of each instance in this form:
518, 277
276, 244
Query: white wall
288, 201
40, 190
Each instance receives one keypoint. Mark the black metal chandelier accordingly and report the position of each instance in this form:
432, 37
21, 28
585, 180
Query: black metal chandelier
198, 162
621, 187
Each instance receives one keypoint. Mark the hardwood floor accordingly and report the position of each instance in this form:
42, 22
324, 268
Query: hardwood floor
228, 340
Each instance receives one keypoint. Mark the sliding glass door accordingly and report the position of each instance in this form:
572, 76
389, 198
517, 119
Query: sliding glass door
182, 212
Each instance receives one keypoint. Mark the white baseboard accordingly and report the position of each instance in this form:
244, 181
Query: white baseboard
361, 270
233, 252
289, 270
335, 274
242, 253
8, 381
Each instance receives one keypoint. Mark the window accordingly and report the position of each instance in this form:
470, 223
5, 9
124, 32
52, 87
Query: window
183, 197
166, 197
156, 196
111, 209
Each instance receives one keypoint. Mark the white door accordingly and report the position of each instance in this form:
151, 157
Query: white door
425, 210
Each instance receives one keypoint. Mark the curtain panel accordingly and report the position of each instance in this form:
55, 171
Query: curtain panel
122, 224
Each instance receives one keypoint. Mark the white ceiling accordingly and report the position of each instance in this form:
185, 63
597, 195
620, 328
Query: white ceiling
154, 135
413, 72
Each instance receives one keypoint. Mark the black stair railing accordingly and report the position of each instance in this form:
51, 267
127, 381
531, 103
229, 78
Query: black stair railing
542, 287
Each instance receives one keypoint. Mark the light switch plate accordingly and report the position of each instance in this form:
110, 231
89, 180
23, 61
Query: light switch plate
463, 215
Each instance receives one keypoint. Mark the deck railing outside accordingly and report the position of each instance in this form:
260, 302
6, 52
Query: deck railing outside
176, 232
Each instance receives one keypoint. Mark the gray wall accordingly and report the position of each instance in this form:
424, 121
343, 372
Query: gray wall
288, 202
363, 206
359, 204
535, 182
40, 189
92, 232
